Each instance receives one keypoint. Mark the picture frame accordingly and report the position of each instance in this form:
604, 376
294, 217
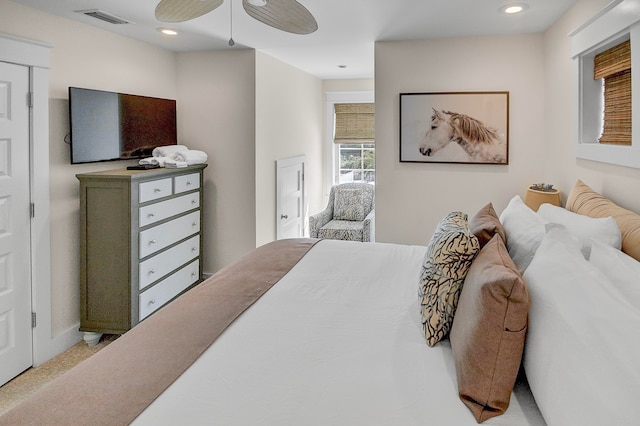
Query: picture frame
454, 127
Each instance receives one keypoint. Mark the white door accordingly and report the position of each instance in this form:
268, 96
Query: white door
290, 204
15, 276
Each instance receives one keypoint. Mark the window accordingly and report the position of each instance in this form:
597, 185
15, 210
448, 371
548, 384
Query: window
608, 30
356, 163
354, 139
613, 66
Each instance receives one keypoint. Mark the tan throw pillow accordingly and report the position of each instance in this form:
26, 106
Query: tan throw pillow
485, 224
348, 204
584, 200
446, 262
488, 333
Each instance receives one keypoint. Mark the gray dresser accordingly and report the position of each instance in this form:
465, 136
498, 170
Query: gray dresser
140, 244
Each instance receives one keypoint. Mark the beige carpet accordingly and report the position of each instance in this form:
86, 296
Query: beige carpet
21, 387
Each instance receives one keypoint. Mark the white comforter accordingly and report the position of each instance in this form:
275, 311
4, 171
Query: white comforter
338, 341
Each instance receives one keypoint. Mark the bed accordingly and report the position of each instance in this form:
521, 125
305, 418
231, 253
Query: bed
322, 332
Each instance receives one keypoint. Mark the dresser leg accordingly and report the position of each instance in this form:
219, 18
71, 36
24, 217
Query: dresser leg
92, 338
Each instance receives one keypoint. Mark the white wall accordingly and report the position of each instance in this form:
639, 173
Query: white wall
562, 167
216, 114
412, 197
349, 85
87, 57
217, 97
288, 124
216, 94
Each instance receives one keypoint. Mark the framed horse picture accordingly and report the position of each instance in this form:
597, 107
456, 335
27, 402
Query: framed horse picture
454, 127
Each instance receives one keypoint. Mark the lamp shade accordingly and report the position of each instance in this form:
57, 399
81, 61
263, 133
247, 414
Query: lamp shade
536, 197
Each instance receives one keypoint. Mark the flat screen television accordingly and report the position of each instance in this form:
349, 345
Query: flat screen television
108, 126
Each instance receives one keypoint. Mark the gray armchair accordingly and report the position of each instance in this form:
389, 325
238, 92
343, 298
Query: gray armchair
349, 215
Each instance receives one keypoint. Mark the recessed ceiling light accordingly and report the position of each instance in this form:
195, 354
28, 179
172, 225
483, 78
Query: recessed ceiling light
168, 31
514, 8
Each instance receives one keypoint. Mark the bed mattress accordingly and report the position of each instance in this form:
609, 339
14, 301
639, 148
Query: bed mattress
337, 340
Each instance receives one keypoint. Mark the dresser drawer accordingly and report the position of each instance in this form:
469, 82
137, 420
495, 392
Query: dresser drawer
153, 213
186, 183
167, 289
154, 189
160, 265
161, 236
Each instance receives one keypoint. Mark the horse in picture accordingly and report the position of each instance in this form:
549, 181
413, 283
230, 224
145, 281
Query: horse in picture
483, 144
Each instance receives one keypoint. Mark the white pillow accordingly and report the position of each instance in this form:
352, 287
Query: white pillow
582, 349
561, 234
525, 231
622, 269
604, 229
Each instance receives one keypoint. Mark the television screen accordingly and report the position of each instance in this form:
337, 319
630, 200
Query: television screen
107, 126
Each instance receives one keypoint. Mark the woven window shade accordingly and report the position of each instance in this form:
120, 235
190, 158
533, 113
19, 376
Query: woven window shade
614, 66
355, 123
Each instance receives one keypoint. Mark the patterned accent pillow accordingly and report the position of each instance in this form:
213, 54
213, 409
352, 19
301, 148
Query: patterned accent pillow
348, 204
447, 260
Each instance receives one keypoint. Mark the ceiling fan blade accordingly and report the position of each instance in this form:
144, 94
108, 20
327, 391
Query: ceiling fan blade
285, 15
184, 10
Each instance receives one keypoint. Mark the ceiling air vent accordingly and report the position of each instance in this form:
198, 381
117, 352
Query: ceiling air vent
104, 16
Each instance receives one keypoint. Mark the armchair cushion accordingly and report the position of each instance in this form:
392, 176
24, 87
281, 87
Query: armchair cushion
348, 230
349, 204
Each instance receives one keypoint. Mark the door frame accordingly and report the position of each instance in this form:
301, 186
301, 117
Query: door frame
36, 56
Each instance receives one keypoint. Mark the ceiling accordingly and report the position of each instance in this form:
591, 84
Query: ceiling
347, 29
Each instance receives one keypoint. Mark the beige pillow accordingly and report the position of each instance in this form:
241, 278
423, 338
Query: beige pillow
446, 262
485, 224
488, 333
584, 200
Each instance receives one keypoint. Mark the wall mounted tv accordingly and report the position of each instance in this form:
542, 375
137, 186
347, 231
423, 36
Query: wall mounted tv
107, 126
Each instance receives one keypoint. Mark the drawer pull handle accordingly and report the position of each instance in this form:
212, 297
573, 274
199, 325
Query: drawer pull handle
188, 183
193, 274
194, 201
194, 224
152, 215
194, 249
153, 271
157, 190
152, 242
152, 301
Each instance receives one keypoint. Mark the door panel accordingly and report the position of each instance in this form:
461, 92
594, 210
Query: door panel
15, 277
290, 203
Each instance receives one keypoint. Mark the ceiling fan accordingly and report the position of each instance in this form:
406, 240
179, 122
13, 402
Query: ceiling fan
285, 15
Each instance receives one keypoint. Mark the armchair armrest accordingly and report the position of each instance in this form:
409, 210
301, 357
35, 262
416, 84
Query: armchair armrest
369, 227
319, 220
